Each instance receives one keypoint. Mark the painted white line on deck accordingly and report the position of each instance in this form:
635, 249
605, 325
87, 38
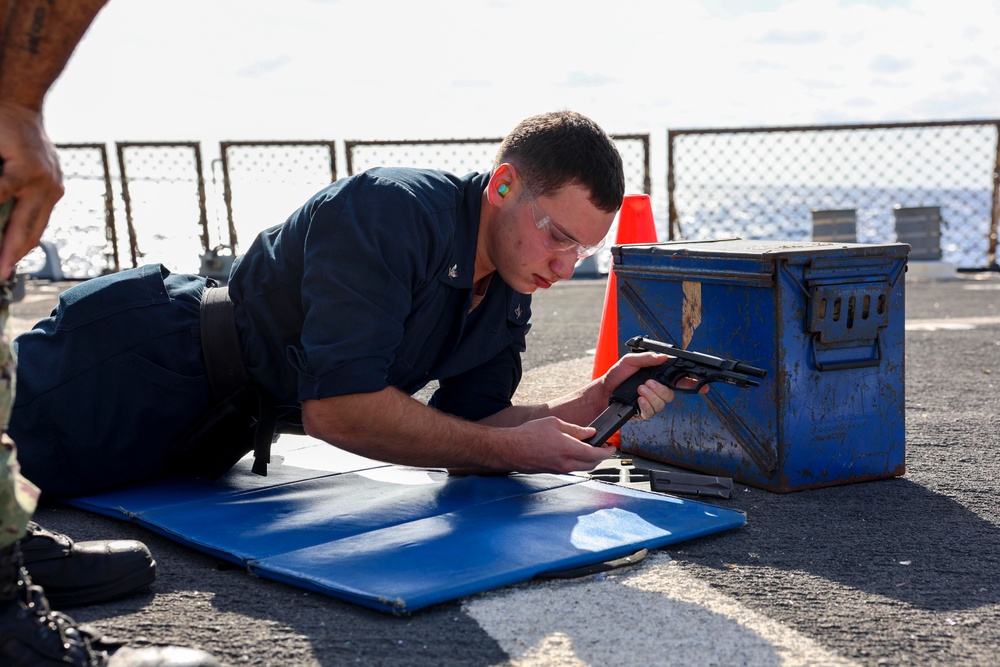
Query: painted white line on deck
653, 614
950, 323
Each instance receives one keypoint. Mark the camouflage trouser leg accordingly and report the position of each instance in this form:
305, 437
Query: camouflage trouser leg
18, 496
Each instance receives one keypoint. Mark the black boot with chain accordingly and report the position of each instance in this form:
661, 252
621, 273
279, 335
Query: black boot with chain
31, 634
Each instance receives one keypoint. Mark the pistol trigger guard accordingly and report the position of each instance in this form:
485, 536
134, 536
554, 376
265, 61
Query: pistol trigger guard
672, 383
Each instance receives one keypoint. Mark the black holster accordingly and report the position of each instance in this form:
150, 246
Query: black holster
241, 417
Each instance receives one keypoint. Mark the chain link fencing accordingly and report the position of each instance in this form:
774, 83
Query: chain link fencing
457, 156
163, 190
770, 183
265, 181
171, 217
461, 156
754, 183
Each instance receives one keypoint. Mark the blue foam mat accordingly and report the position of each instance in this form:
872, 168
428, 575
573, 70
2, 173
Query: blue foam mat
398, 539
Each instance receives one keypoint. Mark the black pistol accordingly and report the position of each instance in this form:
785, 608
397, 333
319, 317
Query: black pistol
703, 368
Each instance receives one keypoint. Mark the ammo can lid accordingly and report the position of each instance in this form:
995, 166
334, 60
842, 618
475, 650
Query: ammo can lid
755, 249
750, 260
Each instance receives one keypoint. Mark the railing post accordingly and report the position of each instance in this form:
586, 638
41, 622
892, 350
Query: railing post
991, 253
673, 221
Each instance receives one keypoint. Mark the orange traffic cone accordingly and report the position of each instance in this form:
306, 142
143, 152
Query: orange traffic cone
635, 225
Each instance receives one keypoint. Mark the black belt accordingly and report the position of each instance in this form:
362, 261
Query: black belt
231, 385
220, 343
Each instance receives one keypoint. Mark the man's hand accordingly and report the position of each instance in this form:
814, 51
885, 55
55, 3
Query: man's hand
547, 437
552, 445
549, 445
653, 396
31, 174
38, 39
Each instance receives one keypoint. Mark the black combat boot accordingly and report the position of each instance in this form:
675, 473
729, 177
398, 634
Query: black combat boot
81, 573
31, 634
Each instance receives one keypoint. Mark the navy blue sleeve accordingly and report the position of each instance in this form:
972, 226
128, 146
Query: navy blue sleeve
480, 392
364, 258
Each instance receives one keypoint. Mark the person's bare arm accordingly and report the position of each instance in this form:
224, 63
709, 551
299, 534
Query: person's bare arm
38, 38
390, 426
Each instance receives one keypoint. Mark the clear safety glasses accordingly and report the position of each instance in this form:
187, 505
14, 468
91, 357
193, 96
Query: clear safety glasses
555, 239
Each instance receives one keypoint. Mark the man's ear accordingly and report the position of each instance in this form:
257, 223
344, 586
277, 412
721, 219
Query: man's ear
500, 183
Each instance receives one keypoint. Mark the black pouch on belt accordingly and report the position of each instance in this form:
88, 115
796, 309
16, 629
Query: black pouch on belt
241, 419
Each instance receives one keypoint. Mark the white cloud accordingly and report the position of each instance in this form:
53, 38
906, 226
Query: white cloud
793, 37
887, 64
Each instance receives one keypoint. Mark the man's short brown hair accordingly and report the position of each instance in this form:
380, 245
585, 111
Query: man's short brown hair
551, 150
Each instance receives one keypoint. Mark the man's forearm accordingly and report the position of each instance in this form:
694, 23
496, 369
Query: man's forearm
38, 38
390, 426
580, 406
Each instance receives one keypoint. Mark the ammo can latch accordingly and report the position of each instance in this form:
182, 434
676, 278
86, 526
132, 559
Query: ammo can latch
848, 305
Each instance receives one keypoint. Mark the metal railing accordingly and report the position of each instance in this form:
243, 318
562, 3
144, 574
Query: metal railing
458, 156
766, 182
264, 181
461, 156
163, 189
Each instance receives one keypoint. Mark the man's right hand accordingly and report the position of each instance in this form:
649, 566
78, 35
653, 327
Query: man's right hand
552, 445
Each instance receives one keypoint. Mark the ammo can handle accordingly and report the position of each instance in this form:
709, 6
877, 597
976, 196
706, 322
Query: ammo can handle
846, 365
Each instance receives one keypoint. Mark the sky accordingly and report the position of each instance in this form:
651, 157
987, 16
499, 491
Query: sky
212, 70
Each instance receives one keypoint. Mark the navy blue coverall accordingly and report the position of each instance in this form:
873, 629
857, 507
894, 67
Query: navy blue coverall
368, 285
